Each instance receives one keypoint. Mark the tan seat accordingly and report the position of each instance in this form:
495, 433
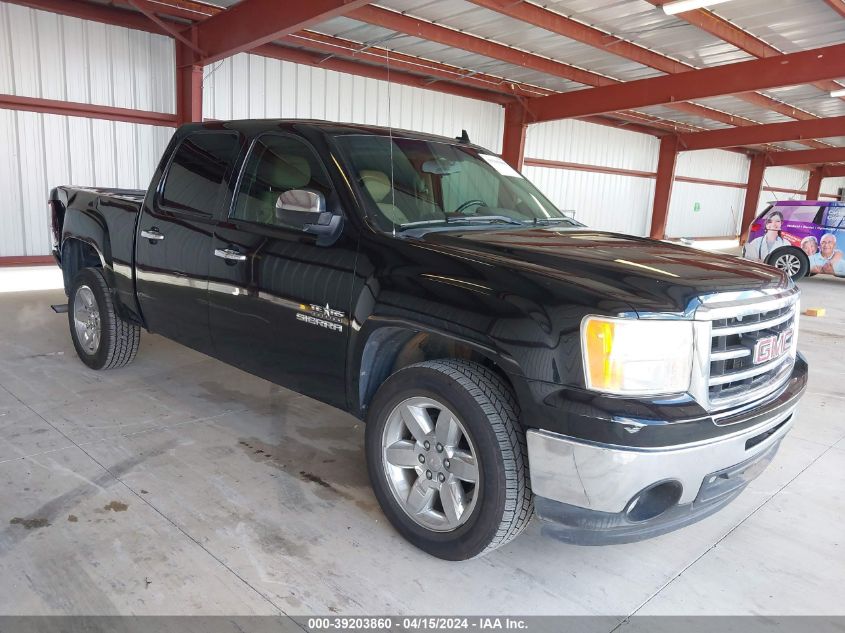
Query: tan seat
378, 185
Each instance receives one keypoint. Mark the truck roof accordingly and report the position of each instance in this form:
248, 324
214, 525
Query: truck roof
331, 128
807, 203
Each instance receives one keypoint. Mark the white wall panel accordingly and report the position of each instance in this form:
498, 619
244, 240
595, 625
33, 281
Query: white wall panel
832, 185
51, 56
785, 178
602, 201
251, 86
703, 210
574, 141
715, 164
706, 210
42, 151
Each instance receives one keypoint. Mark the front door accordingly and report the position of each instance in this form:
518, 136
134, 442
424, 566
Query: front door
279, 303
173, 245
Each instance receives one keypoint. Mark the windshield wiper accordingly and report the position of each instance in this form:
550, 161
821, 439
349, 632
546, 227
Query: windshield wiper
482, 218
552, 220
468, 219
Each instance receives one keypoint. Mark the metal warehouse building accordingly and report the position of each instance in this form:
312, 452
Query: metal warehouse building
192, 483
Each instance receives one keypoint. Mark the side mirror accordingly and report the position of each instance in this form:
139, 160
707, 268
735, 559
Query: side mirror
299, 207
306, 210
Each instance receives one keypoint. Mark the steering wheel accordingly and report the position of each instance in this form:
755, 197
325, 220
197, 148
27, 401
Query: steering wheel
469, 203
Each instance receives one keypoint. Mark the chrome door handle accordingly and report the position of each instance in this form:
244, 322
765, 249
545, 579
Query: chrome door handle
152, 234
228, 253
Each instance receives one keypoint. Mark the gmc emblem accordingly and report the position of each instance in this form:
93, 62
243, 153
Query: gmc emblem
769, 348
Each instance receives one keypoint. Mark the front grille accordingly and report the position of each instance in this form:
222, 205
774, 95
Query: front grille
733, 374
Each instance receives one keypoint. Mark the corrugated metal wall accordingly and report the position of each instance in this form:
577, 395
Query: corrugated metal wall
604, 201
706, 210
57, 57
251, 86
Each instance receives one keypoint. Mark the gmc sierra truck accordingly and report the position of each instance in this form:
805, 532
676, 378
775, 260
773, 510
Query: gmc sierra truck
506, 359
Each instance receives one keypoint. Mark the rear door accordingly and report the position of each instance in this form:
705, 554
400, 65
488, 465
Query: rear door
279, 303
173, 245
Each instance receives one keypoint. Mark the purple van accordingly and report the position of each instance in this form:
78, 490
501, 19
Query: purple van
801, 237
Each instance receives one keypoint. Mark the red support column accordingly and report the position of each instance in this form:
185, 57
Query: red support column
814, 186
663, 186
513, 141
752, 194
188, 82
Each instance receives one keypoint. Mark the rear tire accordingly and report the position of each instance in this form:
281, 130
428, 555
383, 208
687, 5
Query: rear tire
102, 339
462, 511
793, 261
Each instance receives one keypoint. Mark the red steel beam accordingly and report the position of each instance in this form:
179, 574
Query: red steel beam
752, 194
758, 74
814, 185
27, 260
458, 39
377, 72
373, 54
834, 171
808, 157
767, 133
96, 13
252, 23
188, 82
837, 5
663, 186
87, 110
149, 9
480, 46
732, 34
513, 140
567, 27
557, 23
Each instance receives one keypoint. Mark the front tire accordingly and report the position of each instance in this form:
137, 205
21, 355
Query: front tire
793, 261
447, 458
102, 339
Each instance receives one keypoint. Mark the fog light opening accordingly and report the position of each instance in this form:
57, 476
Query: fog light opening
653, 501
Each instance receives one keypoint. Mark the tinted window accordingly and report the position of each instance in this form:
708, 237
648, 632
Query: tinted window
414, 183
797, 213
277, 164
834, 216
201, 162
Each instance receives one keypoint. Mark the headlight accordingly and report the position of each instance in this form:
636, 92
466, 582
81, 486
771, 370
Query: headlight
637, 356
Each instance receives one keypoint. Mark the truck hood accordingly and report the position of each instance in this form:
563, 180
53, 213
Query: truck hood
647, 275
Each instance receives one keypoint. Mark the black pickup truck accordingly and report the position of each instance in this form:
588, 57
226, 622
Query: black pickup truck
506, 358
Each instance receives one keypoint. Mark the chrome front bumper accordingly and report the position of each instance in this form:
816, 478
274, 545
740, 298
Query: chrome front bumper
605, 478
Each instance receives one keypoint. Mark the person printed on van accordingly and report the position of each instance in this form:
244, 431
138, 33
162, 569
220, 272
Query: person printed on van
759, 248
828, 260
810, 245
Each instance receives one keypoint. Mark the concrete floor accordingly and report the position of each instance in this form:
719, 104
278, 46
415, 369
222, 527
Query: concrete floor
181, 486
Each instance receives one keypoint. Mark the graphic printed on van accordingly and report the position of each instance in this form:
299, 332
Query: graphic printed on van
800, 237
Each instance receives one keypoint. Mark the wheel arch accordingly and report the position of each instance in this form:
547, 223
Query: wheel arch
388, 347
78, 253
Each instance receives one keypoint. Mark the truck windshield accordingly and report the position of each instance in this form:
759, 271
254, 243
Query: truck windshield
411, 184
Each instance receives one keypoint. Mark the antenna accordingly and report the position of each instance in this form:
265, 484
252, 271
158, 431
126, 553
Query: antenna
463, 138
390, 136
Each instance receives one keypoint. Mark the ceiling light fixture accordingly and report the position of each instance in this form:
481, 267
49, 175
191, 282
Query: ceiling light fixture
671, 8
838, 93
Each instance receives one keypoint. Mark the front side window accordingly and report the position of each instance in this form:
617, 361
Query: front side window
411, 183
201, 162
276, 164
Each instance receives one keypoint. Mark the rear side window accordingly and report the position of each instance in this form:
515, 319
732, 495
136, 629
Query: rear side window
277, 163
201, 162
834, 216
